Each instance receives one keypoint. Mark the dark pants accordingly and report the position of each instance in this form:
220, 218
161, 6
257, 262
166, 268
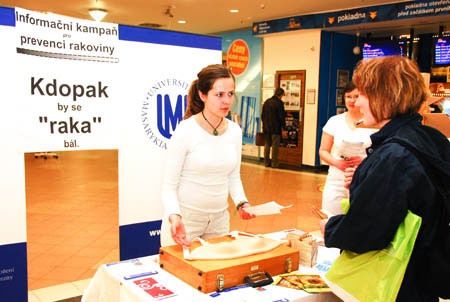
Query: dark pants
272, 140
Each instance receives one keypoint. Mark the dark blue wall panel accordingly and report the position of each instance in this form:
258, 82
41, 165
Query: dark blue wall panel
13, 272
148, 35
324, 87
139, 239
336, 52
7, 16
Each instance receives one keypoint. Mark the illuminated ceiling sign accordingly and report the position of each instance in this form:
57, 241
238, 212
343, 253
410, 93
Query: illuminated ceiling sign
370, 14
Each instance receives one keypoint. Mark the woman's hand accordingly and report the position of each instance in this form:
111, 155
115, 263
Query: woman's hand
355, 161
322, 224
349, 162
342, 164
348, 176
244, 214
177, 230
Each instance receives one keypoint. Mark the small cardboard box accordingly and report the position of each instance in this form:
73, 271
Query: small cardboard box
306, 246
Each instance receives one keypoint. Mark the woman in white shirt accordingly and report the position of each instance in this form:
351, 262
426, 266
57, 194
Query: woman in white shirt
203, 163
339, 128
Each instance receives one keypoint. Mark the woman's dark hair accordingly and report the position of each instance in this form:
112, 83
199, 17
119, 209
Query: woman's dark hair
204, 82
348, 88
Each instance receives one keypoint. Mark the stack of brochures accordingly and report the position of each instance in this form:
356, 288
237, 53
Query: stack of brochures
350, 149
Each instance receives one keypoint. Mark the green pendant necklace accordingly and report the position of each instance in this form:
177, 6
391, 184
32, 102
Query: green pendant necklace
215, 132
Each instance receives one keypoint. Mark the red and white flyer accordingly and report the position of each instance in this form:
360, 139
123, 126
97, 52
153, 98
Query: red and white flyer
154, 288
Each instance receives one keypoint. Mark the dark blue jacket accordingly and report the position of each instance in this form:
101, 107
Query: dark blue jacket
387, 183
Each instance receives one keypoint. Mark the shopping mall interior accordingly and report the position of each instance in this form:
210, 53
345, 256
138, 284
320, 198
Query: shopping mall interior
72, 214
72, 197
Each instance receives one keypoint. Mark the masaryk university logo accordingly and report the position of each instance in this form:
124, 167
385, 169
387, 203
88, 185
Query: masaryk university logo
163, 109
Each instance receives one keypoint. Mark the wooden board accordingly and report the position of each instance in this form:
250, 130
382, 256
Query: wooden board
202, 274
439, 121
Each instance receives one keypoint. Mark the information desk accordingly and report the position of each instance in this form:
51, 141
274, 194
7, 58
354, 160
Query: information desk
138, 279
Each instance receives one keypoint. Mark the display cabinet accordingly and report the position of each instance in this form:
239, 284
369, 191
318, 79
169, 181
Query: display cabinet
293, 83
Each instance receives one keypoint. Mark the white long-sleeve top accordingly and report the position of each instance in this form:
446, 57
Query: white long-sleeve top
201, 169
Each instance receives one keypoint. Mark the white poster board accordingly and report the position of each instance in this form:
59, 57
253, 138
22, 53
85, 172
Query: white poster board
70, 84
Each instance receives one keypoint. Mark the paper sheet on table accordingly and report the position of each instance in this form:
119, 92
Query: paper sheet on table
268, 208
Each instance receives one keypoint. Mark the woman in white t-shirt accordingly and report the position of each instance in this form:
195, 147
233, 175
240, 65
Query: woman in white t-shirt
203, 163
340, 128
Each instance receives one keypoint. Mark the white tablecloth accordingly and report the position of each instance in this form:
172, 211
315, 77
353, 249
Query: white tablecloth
109, 285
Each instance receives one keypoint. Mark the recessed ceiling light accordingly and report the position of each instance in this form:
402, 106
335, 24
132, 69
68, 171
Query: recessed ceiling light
182, 21
98, 14
234, 10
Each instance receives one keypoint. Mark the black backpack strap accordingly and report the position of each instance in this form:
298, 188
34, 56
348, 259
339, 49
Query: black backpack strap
436, 181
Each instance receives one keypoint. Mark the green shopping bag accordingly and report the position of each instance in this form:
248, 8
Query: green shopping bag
375, 276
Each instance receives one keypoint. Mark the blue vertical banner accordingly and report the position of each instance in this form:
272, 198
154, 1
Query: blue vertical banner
153, 106
13, 246
249, 118
13, 272
242, 53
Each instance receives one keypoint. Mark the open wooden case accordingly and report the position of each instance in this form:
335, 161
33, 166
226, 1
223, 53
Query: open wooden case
215, 275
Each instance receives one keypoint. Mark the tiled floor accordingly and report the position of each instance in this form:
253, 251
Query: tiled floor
301, 189
72, 215
61, 292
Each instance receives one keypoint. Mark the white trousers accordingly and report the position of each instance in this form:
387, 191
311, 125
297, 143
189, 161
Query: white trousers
198, 224
333, 192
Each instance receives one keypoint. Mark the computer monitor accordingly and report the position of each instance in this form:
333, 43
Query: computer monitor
442, 51
381, 49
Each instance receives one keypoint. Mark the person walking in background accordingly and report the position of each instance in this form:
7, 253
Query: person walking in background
340, 128
273, 117
392, 180
203, 163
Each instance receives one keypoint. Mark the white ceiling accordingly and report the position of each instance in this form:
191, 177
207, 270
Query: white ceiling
202, 16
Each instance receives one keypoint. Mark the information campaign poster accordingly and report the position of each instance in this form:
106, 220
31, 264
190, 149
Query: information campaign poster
70, 84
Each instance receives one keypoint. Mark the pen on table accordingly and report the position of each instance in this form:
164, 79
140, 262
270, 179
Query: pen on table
359, 122
319, 213
140, 275
217, 293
